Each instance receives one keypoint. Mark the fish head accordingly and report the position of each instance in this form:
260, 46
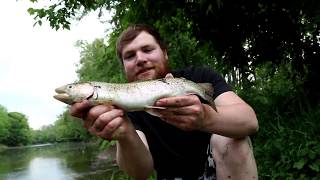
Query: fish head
74, 92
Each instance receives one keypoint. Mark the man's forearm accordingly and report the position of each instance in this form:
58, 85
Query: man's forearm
134, 158
235, 121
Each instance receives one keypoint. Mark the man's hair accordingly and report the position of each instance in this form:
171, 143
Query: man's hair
132, 32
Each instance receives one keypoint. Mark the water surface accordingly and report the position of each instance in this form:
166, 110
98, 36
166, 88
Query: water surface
58, 162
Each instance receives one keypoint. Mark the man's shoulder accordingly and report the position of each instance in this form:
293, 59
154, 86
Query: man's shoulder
201, 74
195, 73
190, 69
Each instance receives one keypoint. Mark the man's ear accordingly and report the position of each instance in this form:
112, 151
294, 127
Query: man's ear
165, 53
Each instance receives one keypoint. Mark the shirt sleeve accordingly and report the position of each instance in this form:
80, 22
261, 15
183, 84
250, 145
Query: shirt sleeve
219, 84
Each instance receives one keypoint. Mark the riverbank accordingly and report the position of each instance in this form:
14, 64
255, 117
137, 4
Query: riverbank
3, 147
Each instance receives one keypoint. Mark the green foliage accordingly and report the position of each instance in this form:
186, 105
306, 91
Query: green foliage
3, 147
184, 49
291, 149
59, 14
19, 131
65, 129
46, 134
280, 90
98, 62
68, 128
287, 145
15, 130
4, 124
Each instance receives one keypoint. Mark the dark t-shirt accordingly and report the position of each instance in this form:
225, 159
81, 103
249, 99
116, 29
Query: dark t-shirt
175, 152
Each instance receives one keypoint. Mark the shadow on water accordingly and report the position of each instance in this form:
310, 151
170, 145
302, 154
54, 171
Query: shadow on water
58, 161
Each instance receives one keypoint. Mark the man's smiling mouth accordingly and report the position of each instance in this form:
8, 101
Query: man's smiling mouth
144, 70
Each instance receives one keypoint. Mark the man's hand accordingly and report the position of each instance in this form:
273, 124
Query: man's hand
185, 112
104, 121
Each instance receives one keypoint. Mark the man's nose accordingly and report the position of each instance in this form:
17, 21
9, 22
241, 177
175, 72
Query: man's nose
141, 58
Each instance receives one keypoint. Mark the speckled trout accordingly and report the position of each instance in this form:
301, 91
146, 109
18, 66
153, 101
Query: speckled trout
134, 96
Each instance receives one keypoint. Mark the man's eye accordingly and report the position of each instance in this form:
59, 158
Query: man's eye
147, 49
128, 57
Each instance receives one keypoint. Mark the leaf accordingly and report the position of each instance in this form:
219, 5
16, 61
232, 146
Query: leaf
299, 164
31, 11
312, 155
314, 167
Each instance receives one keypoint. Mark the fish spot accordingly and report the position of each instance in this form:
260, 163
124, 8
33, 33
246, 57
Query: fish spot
163, 80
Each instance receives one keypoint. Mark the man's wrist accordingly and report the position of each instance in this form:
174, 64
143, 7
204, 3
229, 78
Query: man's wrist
208, 118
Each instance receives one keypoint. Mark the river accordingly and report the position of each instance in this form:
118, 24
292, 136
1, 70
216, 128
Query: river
65, 161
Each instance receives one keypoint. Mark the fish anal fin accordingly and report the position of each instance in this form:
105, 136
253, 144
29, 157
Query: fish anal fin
153, 107
153, 110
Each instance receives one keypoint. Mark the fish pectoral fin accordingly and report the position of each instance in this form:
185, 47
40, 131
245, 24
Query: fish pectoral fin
153, 107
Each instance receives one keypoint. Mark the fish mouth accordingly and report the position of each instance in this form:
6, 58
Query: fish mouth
62, 95
60, 90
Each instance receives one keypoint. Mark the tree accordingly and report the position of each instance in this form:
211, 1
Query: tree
19, 130
238, 35
4, 133
68, 128
98, 62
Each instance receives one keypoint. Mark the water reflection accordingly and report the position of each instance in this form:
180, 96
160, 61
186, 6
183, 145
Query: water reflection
59, 161
43, 168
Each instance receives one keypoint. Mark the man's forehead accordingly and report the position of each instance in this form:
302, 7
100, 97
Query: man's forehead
143, 39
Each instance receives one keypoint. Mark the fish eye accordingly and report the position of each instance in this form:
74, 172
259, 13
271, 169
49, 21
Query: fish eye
70, 86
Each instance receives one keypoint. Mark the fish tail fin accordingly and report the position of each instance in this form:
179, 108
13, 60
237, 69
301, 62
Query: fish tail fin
208, 93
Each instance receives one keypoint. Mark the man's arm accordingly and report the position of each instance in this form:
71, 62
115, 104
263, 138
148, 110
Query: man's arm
109, 123
134, 157
233, 118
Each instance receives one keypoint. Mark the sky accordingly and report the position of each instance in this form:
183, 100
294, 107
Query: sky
34, 60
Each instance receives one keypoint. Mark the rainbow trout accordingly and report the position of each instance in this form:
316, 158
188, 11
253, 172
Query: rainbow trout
134, 96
